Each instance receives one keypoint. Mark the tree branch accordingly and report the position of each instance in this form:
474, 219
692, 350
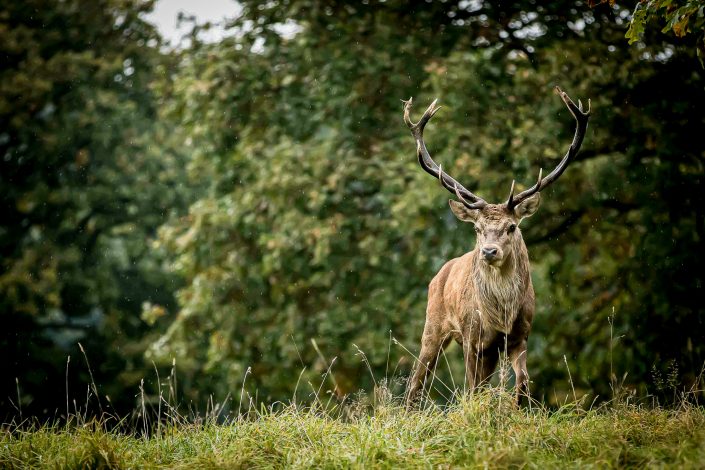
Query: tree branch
559, 229
572, 218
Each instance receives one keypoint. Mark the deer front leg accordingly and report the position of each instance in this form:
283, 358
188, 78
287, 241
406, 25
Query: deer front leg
479, 365
432, 344
480, 361
518, 357
487, 364
472, 364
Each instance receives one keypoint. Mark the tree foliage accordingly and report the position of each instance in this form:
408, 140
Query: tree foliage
252, 209
86, 175
319, 233
679, 18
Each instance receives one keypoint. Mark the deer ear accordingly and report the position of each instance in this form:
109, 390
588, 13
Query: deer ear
528, 206
462, 212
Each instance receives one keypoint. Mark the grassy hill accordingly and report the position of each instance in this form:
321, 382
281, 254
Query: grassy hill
483, 431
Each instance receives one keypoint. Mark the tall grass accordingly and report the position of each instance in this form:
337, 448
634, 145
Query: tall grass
479, 431
483, 430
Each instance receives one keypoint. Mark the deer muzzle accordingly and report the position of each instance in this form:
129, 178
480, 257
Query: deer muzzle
491, 254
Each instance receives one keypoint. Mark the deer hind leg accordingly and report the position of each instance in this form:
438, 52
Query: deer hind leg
518, 357
433, 342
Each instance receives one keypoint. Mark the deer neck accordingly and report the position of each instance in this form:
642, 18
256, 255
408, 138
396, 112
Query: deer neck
500, 290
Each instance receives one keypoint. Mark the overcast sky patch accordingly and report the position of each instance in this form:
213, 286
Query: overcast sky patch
166, 12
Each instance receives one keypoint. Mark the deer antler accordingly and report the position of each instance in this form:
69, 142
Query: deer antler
470, 200
581, 118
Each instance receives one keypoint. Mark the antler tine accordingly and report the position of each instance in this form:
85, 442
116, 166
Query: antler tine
581, 119
477, 205
469, 205
418, 127
538, 181
512, 202
427, 162
510, 199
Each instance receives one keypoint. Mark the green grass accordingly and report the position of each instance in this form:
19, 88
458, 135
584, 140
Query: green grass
483, 431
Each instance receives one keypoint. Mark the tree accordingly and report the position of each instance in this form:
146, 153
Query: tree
86, 176
319, 227
681, 18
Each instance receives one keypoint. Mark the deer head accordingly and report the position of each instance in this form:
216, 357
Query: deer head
497, 225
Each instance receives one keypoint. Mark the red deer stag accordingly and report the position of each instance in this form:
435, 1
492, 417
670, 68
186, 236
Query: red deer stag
484, 299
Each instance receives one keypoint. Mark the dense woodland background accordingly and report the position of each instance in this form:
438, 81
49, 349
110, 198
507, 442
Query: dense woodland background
256, 203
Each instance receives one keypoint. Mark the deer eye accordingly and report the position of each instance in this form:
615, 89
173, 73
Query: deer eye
512, 228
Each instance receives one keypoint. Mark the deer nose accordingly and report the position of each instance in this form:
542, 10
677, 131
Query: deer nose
489, 253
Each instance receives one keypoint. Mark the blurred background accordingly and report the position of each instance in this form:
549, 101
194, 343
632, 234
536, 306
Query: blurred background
241, 194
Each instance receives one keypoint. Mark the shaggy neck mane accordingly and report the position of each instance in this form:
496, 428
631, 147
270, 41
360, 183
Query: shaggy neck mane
499, 289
